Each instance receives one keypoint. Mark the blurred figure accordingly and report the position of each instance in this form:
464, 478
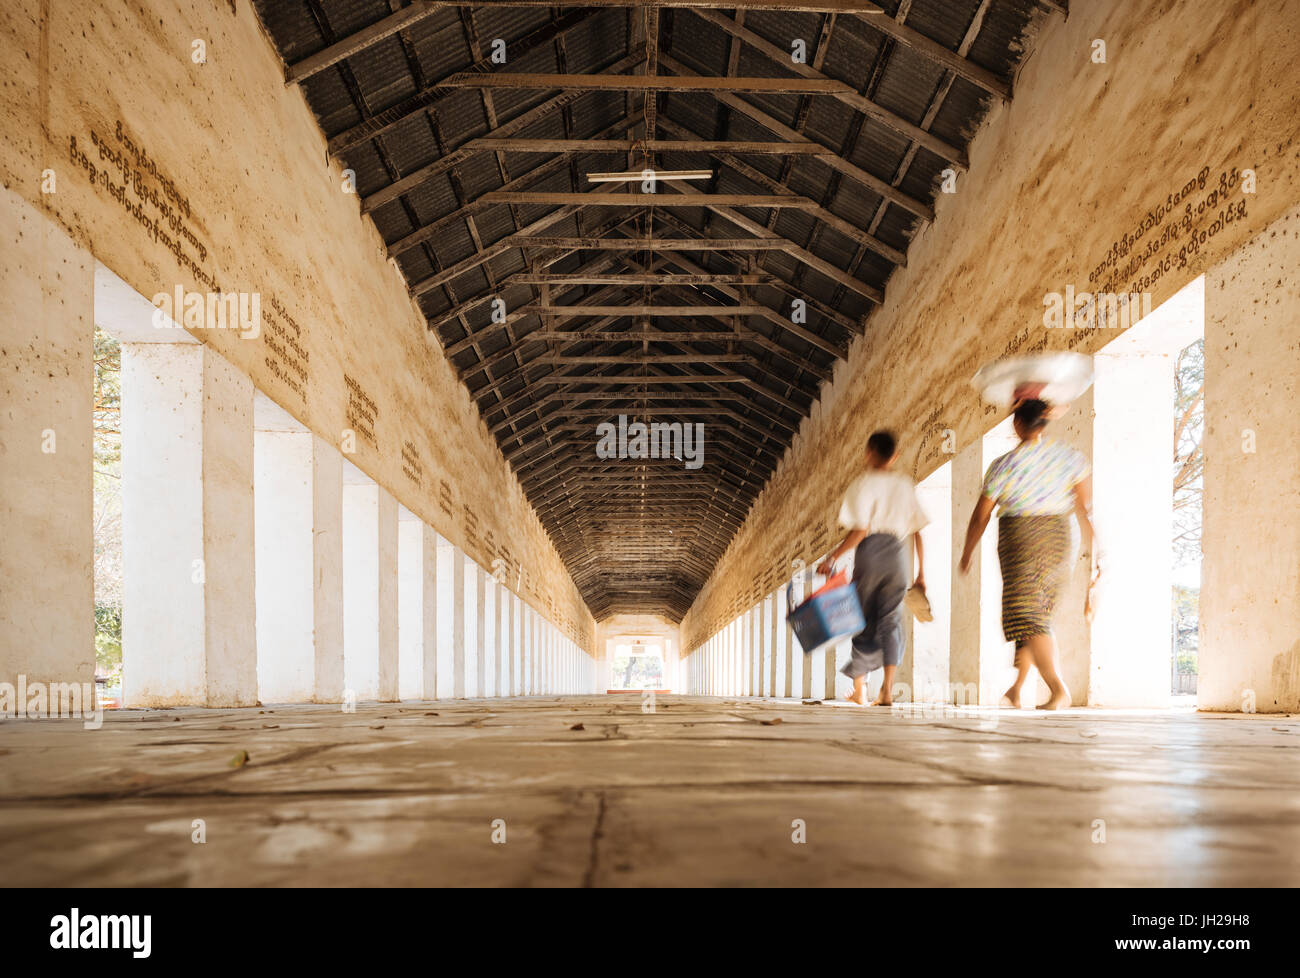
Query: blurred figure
1036, 485
880, 510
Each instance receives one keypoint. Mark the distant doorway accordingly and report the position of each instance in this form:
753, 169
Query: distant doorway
637, 665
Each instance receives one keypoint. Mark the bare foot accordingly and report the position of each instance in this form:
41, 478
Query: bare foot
1011, 699
1058, 702
881, 701
859, 698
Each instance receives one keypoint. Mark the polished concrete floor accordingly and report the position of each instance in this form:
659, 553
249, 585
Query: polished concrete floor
594, 791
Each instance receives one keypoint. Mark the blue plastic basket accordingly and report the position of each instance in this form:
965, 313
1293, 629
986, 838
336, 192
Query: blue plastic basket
825, 617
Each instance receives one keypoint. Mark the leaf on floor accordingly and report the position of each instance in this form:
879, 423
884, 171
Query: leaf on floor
770, 723
577, 726
376, 726
240, 759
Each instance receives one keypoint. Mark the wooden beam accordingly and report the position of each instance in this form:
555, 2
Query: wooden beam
878, 19
776, 319
641, 83
604, 199
778, 128
747, 147
505, 244
435, 227
525, 240
744, 334
845, 93
640, 278
641, 359
847, 228
362, 39
425, 99
625, 336
651, 311
392, 191
669, 379
800, 6
690, 396
790, 248
539, 264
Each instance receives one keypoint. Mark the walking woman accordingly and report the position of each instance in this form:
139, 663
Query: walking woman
1036, 485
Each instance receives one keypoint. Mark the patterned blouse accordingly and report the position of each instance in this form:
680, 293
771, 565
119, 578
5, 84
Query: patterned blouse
1036, 479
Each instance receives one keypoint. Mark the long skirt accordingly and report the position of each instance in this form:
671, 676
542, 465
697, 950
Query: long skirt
880, 577
1034, 553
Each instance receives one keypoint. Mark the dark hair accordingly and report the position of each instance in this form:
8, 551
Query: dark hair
1032, 414
883, 443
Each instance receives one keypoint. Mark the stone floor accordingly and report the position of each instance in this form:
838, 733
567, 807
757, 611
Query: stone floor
593, 791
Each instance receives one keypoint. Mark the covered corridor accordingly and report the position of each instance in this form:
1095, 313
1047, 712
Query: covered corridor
419, 416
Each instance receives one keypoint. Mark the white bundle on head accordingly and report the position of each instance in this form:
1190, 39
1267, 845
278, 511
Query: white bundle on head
1057, 378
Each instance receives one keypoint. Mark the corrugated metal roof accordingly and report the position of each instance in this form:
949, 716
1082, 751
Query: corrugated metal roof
395, 83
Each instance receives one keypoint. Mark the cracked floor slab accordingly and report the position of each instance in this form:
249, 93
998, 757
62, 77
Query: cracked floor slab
698, 792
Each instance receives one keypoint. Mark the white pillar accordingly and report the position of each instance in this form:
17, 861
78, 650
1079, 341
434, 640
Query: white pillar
771, 622
189, 626
369, 589
1250, 604
530, 637
928, 656
501, 647
549, 669
980, 660
298, 534
513, 629
491, 660
754, 670
47, 297
476, 645
459, 621
539, 668
837, 684
417, 607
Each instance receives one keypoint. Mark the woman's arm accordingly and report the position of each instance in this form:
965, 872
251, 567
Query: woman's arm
1083, 512
979, 521
920, 562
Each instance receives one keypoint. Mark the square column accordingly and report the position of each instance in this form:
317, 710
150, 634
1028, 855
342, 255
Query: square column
1250, 604
548, 658
980, 658
298, 534
417, 607
925, 668
490, 663
514, 629
370, 644
189, 625
839, 685
476, 632
47, 295
530, 656
454, 652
